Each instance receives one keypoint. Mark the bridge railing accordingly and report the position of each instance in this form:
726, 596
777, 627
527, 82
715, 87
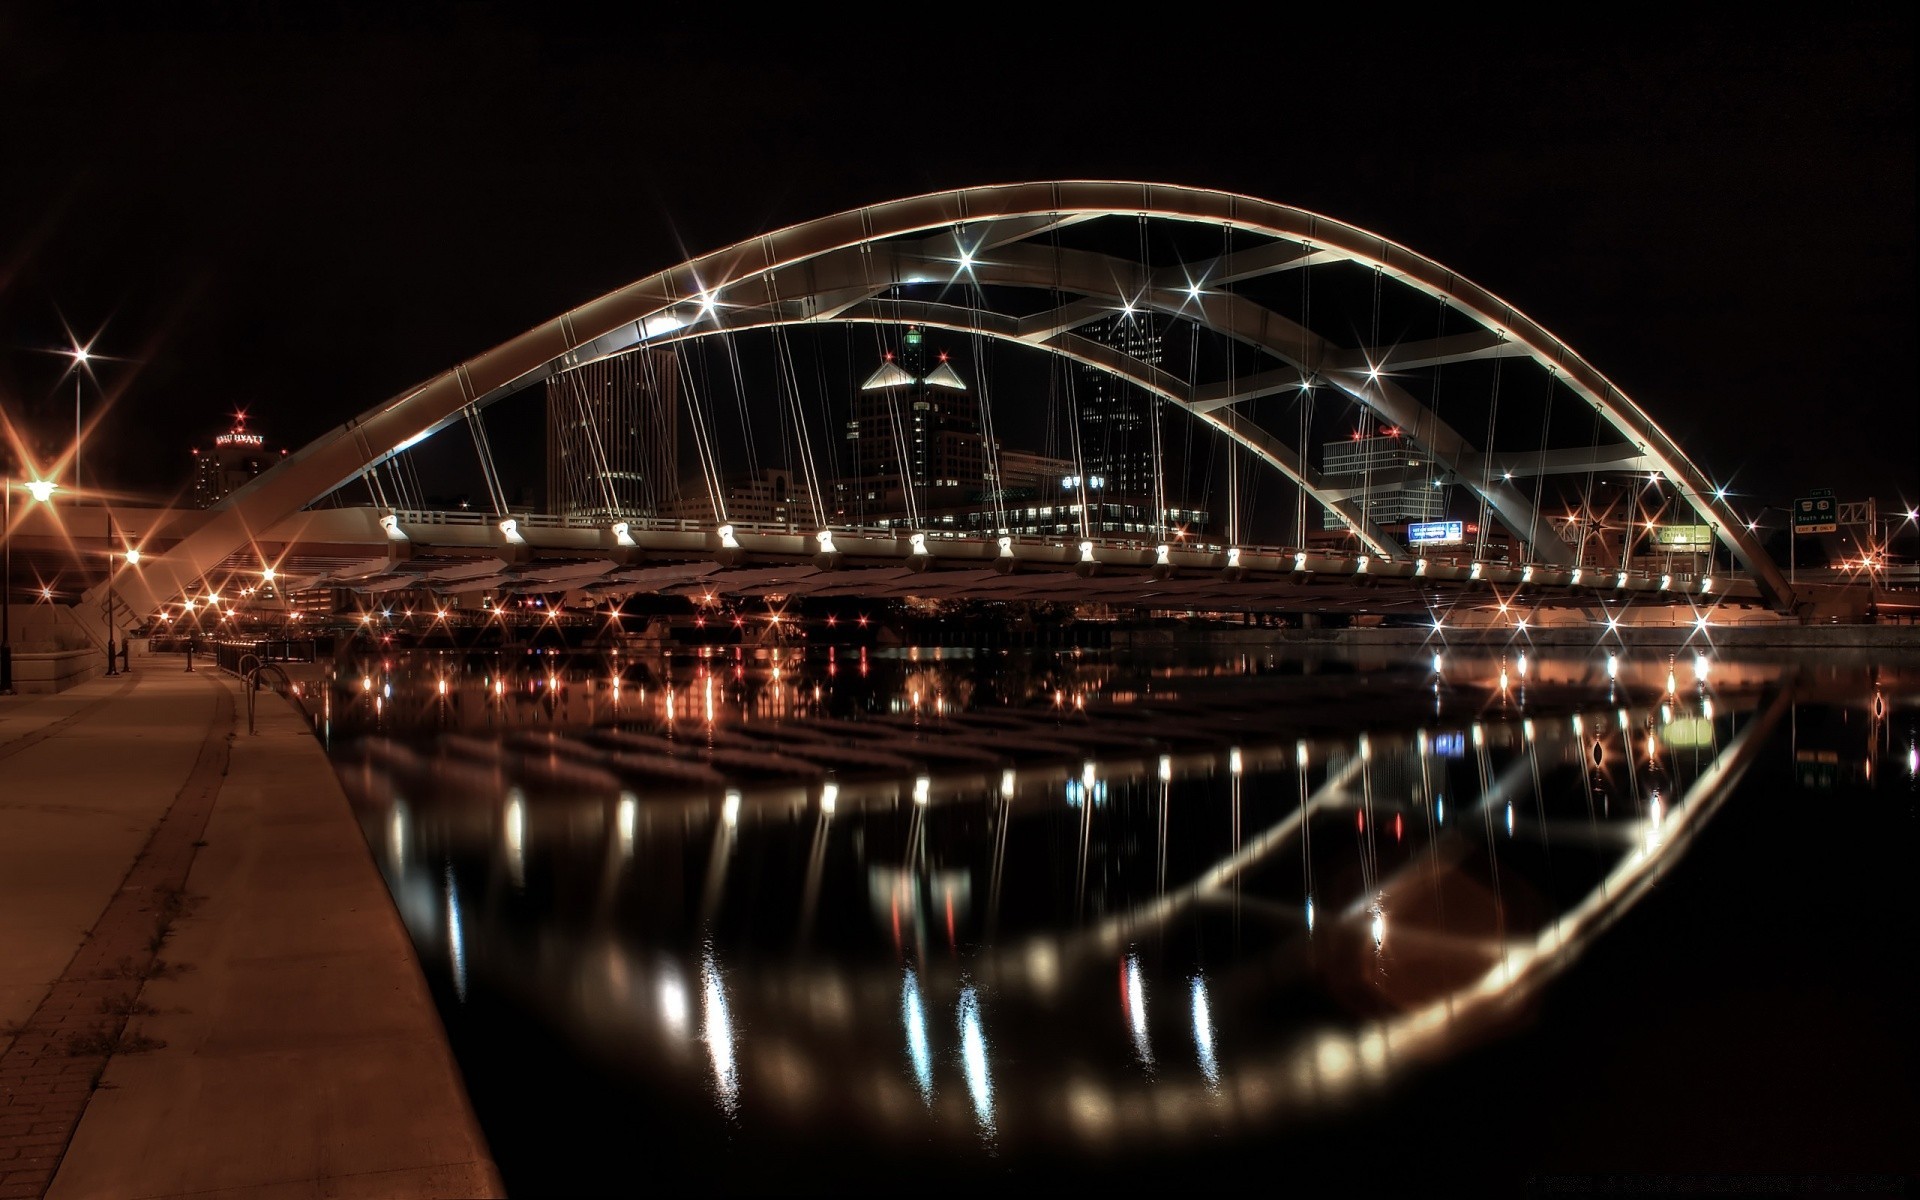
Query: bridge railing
1640, 576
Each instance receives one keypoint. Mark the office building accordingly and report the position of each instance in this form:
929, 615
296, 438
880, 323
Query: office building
613, 430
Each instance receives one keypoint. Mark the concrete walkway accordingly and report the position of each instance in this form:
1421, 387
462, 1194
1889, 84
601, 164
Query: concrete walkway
204, 988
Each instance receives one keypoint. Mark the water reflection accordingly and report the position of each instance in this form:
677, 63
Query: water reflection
716, 1030
913, 1013
1342, 886
973, 1058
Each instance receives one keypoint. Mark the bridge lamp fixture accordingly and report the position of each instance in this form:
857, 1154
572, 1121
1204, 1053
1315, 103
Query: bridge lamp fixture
133, 556
266, 574
41, 489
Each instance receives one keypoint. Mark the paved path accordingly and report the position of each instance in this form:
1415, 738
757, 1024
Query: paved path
204, 989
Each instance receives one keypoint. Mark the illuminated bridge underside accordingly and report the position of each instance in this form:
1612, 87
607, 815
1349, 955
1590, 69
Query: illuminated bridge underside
464, 554
851, 267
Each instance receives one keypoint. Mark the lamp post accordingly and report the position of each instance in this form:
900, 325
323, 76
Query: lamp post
39, 489
110, 558
81, 357
6, 594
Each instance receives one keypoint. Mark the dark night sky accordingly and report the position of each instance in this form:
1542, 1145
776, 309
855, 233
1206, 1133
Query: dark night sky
307, 210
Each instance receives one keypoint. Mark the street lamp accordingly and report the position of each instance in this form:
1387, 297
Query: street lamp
81, 356
41, 490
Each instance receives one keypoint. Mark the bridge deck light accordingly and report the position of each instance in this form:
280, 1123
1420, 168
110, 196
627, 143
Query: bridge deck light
41, 489
133, 556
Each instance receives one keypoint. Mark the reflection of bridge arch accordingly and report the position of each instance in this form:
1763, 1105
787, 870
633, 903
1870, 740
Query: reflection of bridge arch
811, 1023
839, 269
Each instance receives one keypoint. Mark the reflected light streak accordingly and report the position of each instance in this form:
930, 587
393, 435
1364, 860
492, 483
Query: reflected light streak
1133, 999
516, 831
1203, 1034
913, 1014
456, 940
397, 835
716, 1030
673, 1003
973, 1058
624, 820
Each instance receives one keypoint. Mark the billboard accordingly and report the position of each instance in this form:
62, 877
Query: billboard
1436, 533
1684, 537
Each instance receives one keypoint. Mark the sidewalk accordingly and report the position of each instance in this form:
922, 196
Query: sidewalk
203, 985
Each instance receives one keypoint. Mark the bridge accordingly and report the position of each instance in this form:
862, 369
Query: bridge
1227, 334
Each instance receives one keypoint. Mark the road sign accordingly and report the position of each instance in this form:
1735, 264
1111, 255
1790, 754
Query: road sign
1436, 533
1816, 513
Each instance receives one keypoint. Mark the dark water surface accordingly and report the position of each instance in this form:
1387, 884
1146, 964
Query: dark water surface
758, 919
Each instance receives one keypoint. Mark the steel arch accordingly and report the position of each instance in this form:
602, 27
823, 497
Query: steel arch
671, 301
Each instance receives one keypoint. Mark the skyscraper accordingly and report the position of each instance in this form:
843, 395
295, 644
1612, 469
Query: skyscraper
233, 459
613, 433
1387, 475
913, 426
1116, 417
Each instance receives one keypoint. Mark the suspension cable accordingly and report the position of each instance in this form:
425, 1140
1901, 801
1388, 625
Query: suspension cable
1540, 476
790, 385
1486, 468
496, 495
700, 420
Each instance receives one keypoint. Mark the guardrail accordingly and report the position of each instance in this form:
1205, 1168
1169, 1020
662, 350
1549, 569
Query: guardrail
249, 661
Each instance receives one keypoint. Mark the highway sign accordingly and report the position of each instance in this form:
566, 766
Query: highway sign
1816, 513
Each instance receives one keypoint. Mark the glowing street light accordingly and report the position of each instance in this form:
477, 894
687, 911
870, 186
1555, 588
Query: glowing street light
41, 490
